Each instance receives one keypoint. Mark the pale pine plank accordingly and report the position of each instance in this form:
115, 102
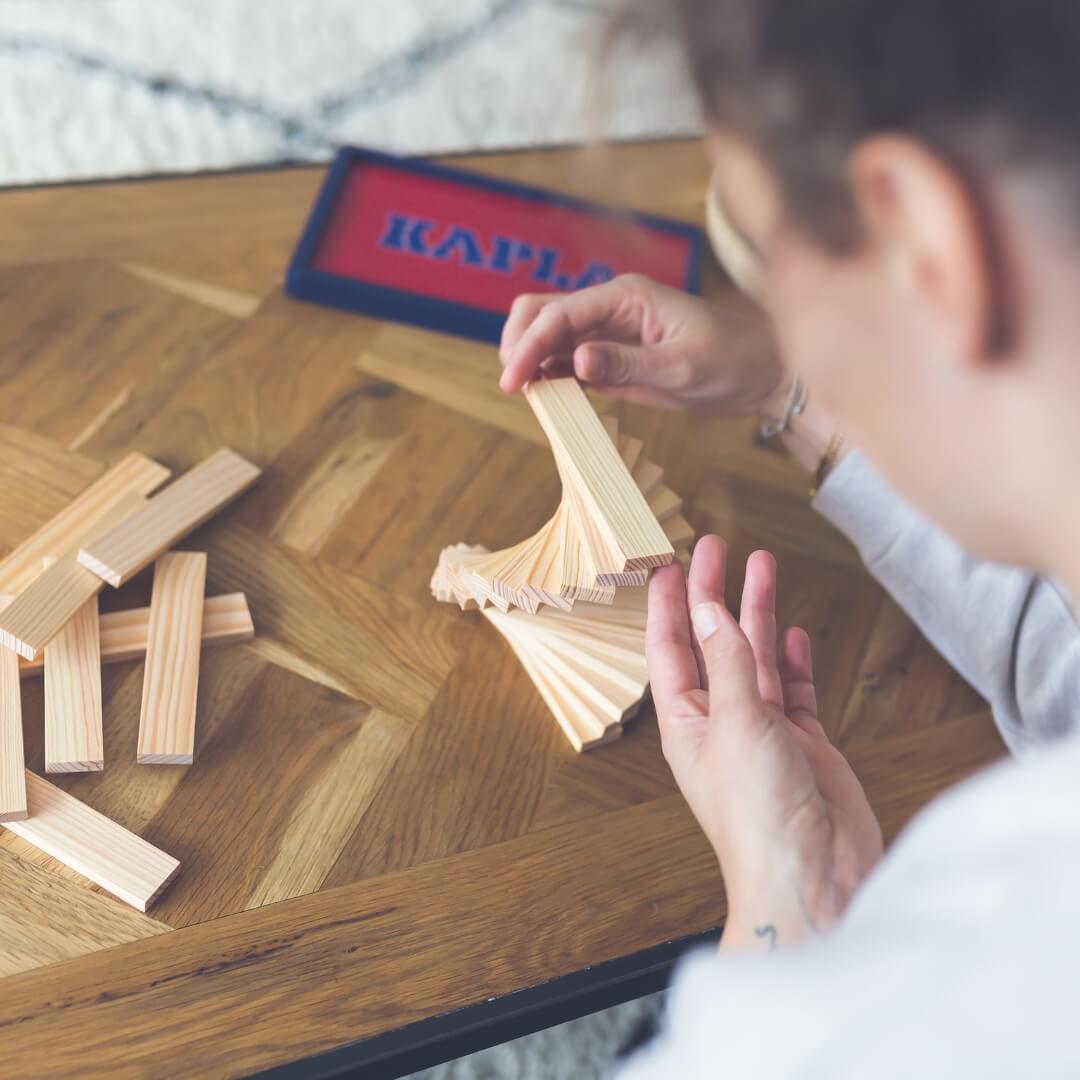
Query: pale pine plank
73, 731
462, 375
50, 601
226, 621
66, 530
589, 461
12, 754
90, 844
183, 506
171, 681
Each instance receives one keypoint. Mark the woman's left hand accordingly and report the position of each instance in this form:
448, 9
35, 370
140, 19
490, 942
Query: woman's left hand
783, 810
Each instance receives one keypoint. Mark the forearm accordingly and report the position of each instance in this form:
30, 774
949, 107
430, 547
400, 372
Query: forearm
1012, 634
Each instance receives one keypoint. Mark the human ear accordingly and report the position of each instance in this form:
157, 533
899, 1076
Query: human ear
935, 237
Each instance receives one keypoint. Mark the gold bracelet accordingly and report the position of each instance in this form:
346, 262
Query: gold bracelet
828, 460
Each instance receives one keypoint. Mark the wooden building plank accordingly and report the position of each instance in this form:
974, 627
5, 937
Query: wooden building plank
12, 755
226, 621
47, 604
589, 462
68, 529
73, 728
171, 681
45, 918
183, 506
90, 844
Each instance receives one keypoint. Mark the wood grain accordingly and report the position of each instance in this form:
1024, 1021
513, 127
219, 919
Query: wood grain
48, 313
454, 373
74, 740
589, 463
171, 678
38, 479
12, 754
68, 529
382, 649
92, 845
182, 507
62, 589
226, 621
45, 918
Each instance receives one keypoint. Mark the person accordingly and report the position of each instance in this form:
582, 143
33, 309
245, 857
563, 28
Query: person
909, 178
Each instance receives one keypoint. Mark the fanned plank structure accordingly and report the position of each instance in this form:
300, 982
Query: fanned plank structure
570, 599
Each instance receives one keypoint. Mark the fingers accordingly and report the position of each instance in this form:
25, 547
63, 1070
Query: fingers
608, 364
523, 312
757, 617
797, 677
729, 660
668, 644
546, 325
706, 583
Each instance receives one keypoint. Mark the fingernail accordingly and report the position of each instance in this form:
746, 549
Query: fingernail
592, 365
706, 619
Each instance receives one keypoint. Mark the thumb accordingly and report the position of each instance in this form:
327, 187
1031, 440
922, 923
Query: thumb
607, 364
729, 660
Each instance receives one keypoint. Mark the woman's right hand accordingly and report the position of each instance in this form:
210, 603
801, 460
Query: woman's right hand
635, 338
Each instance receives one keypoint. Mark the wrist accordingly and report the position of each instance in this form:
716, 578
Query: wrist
764, 927
807, 439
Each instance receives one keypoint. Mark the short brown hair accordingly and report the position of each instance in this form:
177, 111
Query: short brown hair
986, 83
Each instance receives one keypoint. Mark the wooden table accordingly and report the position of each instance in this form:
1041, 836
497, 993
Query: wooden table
383, 825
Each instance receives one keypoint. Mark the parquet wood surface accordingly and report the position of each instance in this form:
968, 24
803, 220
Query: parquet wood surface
383, 822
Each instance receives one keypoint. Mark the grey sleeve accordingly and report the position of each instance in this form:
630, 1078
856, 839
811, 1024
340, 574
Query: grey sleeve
1011, 634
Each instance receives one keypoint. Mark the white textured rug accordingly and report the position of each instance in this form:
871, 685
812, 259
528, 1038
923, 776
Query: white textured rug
584, 1049
95, 88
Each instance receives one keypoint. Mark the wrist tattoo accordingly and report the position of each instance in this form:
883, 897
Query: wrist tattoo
768, 932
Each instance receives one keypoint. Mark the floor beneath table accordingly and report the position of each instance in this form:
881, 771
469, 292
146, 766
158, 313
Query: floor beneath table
585, 1049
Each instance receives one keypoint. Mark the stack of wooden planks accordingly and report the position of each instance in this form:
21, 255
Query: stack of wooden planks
570, 599
50, 625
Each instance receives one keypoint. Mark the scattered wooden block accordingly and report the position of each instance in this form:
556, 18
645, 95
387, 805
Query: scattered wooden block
46, 605
570, 599
92, 845
73, 729
12, 756
171, 681
226, 621
183, 506
68, 529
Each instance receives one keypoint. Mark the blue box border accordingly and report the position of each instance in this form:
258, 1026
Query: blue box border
304, 282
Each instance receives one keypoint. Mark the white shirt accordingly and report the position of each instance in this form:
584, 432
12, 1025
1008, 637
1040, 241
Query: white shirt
960, 956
